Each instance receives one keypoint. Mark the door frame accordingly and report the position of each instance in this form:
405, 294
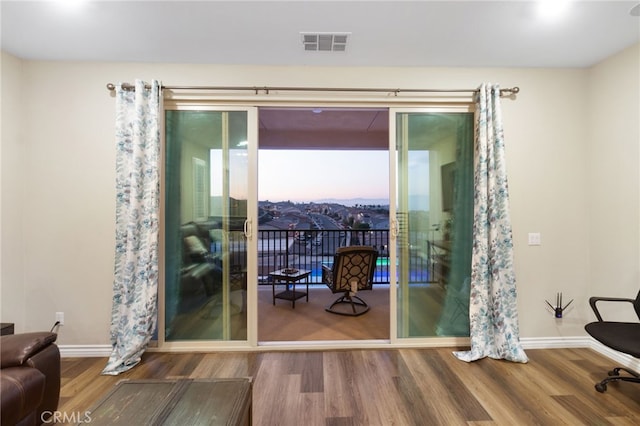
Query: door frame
250, 225
251, 104
397, 341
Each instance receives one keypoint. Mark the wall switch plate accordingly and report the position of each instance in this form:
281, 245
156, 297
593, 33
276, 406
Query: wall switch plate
535, 239
60, 317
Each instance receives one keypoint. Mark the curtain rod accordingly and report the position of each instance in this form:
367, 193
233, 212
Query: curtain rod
267, 89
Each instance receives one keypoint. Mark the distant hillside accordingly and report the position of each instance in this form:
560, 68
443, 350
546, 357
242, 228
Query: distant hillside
353, 201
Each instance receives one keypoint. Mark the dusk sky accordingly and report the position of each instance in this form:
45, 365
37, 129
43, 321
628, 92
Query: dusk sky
308, 175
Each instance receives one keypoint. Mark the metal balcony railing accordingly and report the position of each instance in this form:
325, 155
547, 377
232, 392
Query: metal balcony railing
311, 248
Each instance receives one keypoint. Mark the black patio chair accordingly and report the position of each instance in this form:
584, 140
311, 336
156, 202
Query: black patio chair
620, 336
351, 272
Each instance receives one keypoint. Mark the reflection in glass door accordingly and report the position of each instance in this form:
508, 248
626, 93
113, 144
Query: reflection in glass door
206, 210
434, 219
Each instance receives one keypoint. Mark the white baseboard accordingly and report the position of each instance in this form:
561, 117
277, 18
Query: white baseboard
555, 342
87, 351
84, 351
622, 360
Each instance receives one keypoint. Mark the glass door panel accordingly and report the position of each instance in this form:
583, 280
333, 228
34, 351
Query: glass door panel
206, 211
434, 218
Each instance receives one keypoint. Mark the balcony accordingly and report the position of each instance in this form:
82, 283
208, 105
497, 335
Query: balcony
198, 293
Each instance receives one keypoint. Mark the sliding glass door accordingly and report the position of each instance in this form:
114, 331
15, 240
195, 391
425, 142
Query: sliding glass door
432, 152
208, 204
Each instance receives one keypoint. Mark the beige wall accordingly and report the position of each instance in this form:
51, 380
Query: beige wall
62, 218
12, 189
614, 177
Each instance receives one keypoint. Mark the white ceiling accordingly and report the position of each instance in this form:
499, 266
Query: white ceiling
383, 33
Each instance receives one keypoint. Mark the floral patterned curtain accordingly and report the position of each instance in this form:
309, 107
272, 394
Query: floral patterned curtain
493, 310
135, 285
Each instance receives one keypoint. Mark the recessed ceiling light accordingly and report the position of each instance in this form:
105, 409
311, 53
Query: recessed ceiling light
552, 9
324, 42
71, 4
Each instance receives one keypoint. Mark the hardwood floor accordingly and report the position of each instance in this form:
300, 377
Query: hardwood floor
389, 387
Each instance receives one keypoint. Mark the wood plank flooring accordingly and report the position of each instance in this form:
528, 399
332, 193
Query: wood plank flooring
389, 387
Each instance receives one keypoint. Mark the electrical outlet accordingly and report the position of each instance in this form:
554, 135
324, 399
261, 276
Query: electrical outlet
60, 317
535, 239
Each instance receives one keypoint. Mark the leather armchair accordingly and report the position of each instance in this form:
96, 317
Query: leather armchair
29, 378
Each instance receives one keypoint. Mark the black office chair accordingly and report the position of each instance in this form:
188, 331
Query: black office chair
620, 336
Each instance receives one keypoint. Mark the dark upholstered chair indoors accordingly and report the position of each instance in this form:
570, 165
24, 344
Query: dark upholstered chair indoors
620, 336
29, 378
352, 271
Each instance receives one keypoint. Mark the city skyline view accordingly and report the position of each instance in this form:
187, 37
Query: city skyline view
321, 175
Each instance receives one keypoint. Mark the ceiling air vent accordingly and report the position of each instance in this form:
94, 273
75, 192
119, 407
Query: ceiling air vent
325, 42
